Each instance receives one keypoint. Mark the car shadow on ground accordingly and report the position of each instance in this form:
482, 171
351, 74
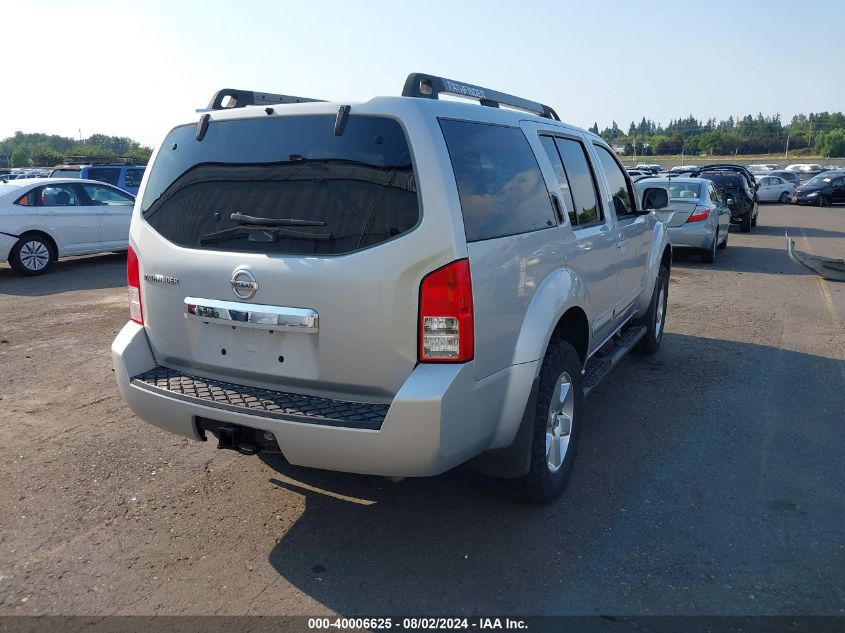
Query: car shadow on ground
795, 231
742, 259
691, 467
74, 273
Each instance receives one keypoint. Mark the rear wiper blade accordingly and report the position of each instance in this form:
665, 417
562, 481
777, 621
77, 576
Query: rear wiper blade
259, 233
242, 218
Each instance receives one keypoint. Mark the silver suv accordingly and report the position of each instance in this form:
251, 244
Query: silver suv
392, 287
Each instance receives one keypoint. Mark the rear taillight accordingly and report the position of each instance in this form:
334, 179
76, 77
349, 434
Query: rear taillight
700, 213
133, 281
446, 325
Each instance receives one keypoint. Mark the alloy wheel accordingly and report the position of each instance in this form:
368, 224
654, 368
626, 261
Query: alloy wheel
559, 422
35, 255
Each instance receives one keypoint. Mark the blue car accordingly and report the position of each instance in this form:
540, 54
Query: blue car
126, 177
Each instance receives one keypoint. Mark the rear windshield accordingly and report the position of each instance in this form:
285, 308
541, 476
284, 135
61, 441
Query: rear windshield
64, 173
283, 185
684, 190
724, 181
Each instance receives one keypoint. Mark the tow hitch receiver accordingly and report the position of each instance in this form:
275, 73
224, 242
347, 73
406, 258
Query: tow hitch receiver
239, 438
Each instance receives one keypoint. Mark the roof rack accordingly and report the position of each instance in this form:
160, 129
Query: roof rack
430, 87
99, 160
243, 98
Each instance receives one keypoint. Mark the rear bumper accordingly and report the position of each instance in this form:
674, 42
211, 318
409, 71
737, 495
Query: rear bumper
693, 235
440, 418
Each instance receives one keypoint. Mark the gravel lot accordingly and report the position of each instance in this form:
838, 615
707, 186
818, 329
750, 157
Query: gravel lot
710, 477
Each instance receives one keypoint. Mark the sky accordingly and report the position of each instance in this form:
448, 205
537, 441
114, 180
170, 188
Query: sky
138, 68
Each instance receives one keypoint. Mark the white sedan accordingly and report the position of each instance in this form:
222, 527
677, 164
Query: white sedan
774, 189
42, 219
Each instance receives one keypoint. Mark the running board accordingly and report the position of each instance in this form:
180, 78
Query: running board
609, 356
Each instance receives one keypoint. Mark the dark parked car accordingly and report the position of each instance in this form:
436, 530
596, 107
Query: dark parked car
739, 187
822, 190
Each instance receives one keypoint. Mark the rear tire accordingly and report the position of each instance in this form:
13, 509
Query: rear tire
554, 443
31, 255
745, 223
724, 244
784, 198
655, 318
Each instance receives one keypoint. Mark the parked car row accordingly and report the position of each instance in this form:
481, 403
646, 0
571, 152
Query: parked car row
124, 176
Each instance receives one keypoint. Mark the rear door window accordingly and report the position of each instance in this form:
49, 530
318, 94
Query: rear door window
104, 174
500, 185
285, 185
582, 182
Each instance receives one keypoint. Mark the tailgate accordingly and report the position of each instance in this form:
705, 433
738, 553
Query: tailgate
278, 254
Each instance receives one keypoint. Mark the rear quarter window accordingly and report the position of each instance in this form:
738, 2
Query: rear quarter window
133, 177
501, 188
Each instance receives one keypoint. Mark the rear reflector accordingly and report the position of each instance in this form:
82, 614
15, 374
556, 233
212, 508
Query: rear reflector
133, 281
446, 328
700, 213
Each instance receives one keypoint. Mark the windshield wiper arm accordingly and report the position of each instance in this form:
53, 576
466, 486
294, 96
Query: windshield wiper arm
262, 234
242, 218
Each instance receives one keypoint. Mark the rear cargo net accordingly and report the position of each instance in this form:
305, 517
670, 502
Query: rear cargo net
262, 402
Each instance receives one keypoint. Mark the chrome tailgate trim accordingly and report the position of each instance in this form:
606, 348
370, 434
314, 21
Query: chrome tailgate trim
261, 317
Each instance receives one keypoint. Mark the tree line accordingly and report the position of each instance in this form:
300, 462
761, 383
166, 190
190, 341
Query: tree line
46, 150
820, 133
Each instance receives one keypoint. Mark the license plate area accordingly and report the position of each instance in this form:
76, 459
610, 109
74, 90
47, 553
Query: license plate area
271, 352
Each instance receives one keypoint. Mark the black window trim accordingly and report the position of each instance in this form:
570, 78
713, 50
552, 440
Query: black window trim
599, 202
635, 210
536, 160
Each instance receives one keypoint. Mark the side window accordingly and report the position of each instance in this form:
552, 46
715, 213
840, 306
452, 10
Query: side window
714, 195
133, 177
499, 182
623, 198
28, 199
582, 183
108, 196
105, 174
57, 196
549, 145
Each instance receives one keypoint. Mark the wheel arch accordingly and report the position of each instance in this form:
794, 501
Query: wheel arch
51, 242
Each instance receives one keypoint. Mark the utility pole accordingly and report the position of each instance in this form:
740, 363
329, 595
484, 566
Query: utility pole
786, 153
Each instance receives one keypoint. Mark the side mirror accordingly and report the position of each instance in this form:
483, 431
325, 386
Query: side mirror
655, 198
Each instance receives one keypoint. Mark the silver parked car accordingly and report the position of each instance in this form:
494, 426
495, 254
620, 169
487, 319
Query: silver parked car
392, 287
790, 176
774, 189
696, 216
